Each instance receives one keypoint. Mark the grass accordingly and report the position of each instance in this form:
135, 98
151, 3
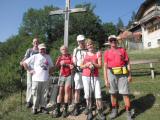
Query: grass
145, 95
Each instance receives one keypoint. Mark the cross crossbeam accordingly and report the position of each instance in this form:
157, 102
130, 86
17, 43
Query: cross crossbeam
66, 12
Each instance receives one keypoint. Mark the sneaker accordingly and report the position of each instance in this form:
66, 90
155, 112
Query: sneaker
86, 111
56, 113
28, 105
64, 114
90, 116
129, 116
114, 113
34, 111
44, 110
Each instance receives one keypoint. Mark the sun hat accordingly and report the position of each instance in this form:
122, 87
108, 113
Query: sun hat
112, 37
41, 46
80, 38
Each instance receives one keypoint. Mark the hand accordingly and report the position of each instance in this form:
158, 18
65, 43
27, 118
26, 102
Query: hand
91, 66
32, 72
71, 66
129, 78
21, 63
107, 84
62, 63
88, 64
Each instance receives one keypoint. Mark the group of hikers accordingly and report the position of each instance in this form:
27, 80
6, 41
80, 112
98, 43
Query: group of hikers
85, 63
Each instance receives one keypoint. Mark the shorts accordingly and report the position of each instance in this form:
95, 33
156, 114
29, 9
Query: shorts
118, 83
91, 85
78, 80
64, 81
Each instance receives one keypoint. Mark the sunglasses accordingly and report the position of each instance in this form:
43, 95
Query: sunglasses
113, 40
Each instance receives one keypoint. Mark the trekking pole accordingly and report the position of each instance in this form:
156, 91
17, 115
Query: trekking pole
21, 82
72, 86
90, 92
93, 82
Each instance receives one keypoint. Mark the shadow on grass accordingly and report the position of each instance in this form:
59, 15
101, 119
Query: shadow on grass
139, 105
143, 103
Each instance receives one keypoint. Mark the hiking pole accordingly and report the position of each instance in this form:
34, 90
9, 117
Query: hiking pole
90, 116
21, 80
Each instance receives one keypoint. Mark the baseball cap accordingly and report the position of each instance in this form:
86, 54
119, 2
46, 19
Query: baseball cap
80, 38
112, 37
41, 46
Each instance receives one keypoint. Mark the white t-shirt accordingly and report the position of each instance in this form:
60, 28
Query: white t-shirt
41, 64
78, 55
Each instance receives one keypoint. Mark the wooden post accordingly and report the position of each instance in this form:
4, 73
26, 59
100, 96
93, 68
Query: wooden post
152, 70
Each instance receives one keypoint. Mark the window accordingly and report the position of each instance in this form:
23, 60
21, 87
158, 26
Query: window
149, 44
158, 41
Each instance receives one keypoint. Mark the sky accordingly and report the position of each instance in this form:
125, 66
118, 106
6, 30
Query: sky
11, 11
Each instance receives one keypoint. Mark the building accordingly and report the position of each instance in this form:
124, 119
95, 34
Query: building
147, 22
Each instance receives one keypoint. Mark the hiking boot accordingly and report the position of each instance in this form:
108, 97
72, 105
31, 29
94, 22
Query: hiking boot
90, 116
34, 111
101, 116
129, 115
56, 113
86, 111
28, 105
114, 113
64, 114
76, 110
44, 110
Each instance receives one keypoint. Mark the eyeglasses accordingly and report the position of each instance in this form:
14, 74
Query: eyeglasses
112, 40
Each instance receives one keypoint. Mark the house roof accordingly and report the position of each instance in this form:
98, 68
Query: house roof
143, 8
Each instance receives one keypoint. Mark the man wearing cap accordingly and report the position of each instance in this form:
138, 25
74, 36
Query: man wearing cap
117, 75
41, 66
78, 55
29, 53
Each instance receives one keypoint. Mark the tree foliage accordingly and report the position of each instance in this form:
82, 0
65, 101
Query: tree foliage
110, 29
49, 29
120, 24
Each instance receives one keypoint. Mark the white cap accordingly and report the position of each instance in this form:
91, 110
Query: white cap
80, 38
112, 36
41, 46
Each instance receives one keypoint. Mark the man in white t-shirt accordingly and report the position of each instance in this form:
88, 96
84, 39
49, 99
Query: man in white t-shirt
29, 53
41, 66
78, 55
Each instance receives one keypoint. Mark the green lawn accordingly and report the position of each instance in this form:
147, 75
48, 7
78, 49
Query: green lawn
145, 95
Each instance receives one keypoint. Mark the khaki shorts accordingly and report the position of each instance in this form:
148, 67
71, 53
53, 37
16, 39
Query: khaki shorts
118, 83
64, 81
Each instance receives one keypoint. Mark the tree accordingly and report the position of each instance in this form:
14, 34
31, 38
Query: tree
39, 23
120, 24
132, 19
109, 29
88, 24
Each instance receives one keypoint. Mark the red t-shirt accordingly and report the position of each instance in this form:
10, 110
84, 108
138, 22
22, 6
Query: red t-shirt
94, 58
64, 70
116, 57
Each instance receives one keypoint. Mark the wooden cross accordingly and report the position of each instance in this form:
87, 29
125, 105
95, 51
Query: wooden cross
67, 11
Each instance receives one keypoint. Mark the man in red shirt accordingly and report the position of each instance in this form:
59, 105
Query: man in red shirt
117, 75
65, 64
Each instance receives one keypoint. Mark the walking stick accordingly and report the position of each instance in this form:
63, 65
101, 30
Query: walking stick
21, 80
90, 92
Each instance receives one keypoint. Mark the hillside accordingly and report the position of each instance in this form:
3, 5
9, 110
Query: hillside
145, 95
